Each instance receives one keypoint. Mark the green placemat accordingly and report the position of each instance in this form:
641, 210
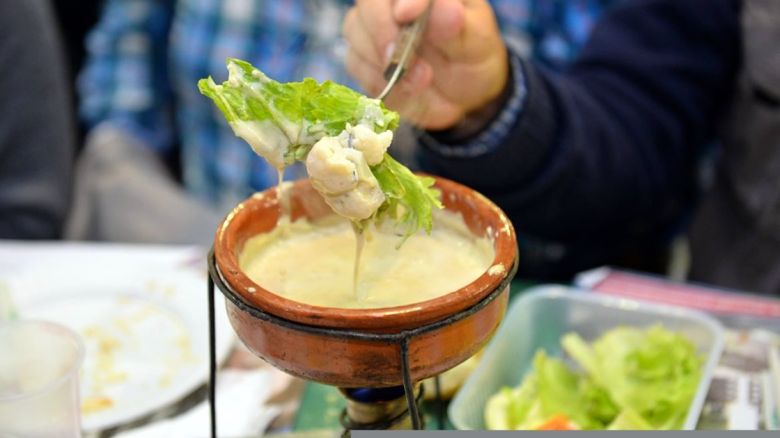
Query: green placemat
320, 408
321, 405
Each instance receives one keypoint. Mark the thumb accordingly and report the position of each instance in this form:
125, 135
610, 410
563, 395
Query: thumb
446, 20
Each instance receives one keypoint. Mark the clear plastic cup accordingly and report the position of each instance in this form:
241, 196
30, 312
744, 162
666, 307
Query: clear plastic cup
39, 380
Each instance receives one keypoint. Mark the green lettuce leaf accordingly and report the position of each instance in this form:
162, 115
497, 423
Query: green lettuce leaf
511, 407
305, 112
562, 391
410, 199
629, 420
654, 372
550, 389
558, 388
597, 403
584, 355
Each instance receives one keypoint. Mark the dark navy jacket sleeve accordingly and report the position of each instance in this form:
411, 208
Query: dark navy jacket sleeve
608, 147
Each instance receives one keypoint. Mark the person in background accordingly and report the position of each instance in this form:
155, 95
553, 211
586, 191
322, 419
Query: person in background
140, 100
75, 19
608, 149
36, 130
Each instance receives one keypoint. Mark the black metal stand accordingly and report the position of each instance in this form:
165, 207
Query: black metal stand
402, 338
439, 403
212, 355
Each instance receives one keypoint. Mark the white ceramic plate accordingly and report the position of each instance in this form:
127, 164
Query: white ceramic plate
145, 328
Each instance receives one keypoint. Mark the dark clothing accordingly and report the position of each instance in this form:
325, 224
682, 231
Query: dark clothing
75, 19
604, 156
36, 125
736, 234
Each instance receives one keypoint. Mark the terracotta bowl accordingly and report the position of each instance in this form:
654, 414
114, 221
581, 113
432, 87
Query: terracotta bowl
307, 341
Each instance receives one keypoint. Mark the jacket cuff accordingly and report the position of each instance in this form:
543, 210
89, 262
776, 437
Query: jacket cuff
452, 143
512, 148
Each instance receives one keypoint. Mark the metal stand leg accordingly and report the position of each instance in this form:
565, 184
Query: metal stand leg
409, 386
439, 403
212, 360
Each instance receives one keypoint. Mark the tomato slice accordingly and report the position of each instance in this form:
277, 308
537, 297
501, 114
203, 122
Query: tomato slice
557, 422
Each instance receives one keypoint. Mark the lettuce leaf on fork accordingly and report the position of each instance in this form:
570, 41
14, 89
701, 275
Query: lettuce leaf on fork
290, 117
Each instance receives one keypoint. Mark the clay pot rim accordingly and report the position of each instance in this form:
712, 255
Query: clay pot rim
385, 319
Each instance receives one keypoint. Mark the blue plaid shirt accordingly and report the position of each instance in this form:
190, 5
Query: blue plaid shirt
146, 56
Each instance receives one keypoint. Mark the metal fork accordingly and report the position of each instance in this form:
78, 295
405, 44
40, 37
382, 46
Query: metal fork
405, 45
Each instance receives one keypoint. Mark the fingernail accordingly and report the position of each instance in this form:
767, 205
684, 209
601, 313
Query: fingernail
389, 52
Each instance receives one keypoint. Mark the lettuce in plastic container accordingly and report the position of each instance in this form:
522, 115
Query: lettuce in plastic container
630, 379
550, 397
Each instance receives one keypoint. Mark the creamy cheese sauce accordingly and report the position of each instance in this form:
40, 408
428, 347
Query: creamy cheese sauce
360, 242
313, 263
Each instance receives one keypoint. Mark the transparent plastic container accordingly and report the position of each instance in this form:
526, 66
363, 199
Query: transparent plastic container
539, 319
39, 380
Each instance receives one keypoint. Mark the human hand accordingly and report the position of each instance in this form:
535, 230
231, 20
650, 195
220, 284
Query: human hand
461, 66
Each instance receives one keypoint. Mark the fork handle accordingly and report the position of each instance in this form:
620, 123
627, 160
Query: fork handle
405, 45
